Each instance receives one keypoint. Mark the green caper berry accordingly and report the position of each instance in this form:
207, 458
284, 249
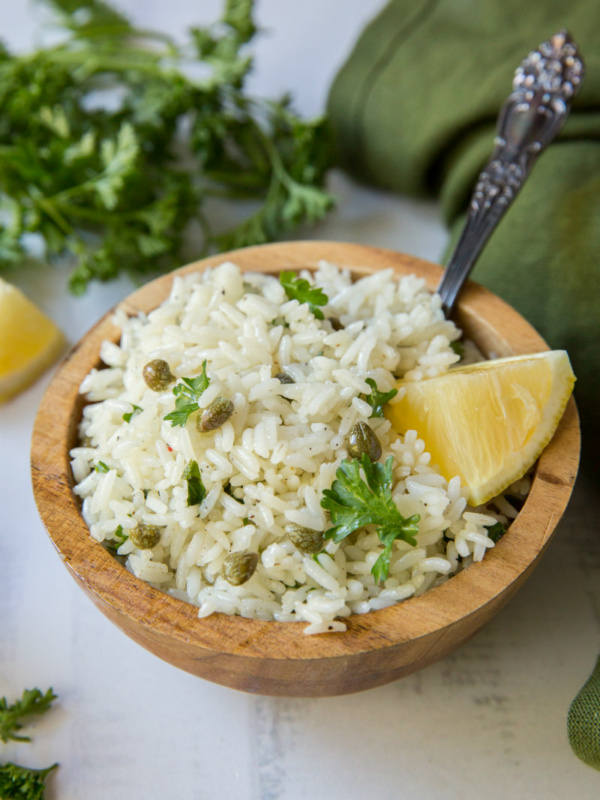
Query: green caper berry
307, 540
361, 440
157, 375
145, 536
239, 568
283, 377
217, 414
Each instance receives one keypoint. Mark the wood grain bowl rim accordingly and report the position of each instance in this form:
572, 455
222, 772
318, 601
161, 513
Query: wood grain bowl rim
464, 595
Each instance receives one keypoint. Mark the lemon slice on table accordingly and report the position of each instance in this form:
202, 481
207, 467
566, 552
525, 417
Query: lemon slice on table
487, 422
29, 341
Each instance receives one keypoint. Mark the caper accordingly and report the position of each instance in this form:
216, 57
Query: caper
307, 540
283, 377
361, 440
145, 536
336, 324
239, 568
157, 374
217, 414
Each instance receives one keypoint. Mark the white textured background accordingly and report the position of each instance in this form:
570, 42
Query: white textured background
488, 721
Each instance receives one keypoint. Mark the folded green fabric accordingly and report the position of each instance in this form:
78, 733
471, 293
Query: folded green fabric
414, 111
583, 721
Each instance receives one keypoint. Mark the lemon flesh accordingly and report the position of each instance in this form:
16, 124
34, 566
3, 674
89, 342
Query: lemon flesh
29, 341
487, 422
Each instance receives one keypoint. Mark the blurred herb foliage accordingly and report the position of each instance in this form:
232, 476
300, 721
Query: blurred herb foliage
115, 139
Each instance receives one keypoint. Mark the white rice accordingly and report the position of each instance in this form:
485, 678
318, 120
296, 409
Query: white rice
279, 450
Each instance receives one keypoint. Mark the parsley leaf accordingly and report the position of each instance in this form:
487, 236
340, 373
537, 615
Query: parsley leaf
377, 399
187, 393
119, 186
11, 716
127, 417
119, 539
195, 487
353, 503
496, 531
23, 783
301, 290
458, 348
228, 489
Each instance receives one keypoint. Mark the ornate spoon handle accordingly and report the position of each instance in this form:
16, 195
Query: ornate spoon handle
530, 119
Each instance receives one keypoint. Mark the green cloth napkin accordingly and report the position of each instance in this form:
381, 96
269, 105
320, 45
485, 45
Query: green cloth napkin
414, 111
583, 722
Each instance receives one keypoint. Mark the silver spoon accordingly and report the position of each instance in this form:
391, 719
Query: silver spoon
543, 88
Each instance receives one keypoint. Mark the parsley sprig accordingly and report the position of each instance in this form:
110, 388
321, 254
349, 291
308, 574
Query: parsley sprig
32, 702
188, 393
353, 503
301, 290
377, 399
22, 783
118, 186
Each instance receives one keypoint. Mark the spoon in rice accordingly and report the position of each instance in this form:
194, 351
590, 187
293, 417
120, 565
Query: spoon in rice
532, 116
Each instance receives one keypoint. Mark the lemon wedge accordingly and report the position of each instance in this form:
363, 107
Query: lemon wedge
487, 422
29, 341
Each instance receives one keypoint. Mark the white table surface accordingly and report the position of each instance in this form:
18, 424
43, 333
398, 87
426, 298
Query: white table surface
487, 721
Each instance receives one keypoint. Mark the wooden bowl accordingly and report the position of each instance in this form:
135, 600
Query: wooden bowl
277, 658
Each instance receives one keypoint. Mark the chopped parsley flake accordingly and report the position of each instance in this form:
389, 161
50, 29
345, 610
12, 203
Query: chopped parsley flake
301, 290
377, 399
195, 487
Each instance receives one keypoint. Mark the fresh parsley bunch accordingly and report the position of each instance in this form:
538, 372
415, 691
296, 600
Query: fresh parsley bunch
116, 186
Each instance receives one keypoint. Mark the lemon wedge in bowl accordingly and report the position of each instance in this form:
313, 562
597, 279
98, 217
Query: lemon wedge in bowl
29, 341
487, 422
